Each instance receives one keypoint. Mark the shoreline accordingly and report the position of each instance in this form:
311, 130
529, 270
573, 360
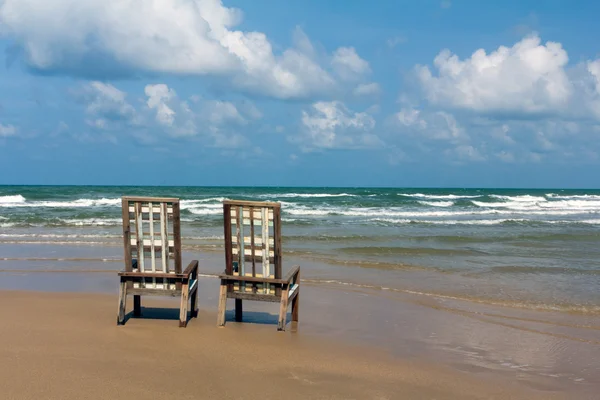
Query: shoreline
67, 345
517, 348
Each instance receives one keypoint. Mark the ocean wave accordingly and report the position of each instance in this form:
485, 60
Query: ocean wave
437, 203
307, 195
402, 212
521, 198
575, 196
484, 222
439, 196
79, 203
92, 222
55, 236
206, 210
13, 199
448, 222
185, 204
539, 205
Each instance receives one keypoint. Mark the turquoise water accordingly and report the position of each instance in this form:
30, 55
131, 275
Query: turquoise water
526, 247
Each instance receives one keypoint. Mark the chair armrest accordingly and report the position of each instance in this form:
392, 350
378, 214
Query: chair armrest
276, 281
193, 267
150, 275
291, 275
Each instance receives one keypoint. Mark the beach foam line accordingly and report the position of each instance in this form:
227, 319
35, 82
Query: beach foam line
439, 197
12, 199
306, 195
566, 308
19, 201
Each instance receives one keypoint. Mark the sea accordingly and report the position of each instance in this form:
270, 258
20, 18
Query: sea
523, 248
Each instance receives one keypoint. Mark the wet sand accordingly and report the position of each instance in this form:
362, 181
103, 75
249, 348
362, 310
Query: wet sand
529, 352
67, 346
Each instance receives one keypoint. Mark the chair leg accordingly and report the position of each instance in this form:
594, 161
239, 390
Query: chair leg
238, 310
283, 310
222, 304
122, 303
295, 306
137, 305
183, 308
194, 305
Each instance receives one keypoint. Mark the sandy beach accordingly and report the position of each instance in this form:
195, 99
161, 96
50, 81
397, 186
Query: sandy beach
67, 346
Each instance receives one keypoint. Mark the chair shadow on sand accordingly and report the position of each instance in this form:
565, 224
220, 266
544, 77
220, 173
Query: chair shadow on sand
160, 313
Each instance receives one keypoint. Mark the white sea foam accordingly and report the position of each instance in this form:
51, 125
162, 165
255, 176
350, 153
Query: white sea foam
205, 210
404, 213
437, 203
185, 204
575, 196
93, 221
439, 197
80, 203
523, 198
447, 222
15, 199
55, 236
307, 195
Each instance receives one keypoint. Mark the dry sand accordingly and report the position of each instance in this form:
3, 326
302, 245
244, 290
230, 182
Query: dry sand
67, 346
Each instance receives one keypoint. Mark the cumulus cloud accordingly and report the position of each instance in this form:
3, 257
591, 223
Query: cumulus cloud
367, 89
108, 38
348, 64
7, 130
529, 77
105, 104
330, 125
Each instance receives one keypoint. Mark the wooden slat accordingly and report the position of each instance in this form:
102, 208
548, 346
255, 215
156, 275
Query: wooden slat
254, 296
157, 243
258, 241
164, 239
239, 228
277, 236
139, 237
266, 241
234, 278
252, 245
146, 210
177, 236
155, 292
252, 203
152, 252
126, 234
154, 199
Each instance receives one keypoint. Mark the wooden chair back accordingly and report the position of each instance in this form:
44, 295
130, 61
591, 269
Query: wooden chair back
252, 243
152, 239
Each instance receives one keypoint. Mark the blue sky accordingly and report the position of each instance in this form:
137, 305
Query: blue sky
319, 93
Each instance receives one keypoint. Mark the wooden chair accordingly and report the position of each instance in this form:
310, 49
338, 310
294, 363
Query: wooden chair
253, 260
152, 240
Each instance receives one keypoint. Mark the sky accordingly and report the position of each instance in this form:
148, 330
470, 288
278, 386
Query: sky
428, 93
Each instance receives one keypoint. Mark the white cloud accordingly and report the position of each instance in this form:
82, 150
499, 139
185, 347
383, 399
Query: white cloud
329, 125
159, 97
396, 40
529, 77
367, 89
7, 130
437, 125
196, 117
188, 37
348, 64
445, 4
105, 104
